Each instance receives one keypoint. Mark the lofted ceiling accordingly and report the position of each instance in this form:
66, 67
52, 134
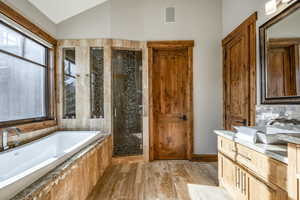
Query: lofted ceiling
60, 10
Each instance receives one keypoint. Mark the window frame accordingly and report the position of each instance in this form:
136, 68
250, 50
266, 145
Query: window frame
49, 108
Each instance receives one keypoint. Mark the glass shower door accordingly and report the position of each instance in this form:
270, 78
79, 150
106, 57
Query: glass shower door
127, 102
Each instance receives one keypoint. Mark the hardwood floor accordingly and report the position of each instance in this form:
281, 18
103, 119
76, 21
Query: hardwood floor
160, 180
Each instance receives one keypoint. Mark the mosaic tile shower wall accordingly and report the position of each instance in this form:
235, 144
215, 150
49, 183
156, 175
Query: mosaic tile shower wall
97, 82
127, 102
265, 113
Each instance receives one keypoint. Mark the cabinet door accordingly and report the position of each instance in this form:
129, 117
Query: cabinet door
241, 183
233, 178
258, 190
226, 172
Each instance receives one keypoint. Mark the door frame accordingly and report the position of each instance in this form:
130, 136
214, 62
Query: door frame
248, 26
183, 44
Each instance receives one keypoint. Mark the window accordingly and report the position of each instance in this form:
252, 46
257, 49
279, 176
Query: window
69, 94
96, 81
23, 78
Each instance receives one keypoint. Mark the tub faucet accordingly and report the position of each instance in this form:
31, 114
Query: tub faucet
5, 133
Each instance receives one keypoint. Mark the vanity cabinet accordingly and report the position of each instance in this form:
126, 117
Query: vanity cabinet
269, 169
249, 175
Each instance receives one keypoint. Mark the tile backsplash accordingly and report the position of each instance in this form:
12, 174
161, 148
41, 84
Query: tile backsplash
265, 113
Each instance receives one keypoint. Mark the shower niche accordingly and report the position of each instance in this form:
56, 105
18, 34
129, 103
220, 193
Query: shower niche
127, 102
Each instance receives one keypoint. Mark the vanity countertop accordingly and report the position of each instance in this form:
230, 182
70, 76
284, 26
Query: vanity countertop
290, 138
278, 152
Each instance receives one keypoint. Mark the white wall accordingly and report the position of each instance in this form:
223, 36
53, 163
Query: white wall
93, 23
33, 14
127, 19
198, 20
234, 12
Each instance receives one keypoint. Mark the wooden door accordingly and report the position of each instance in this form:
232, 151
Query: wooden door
239, 49
171, 103
237, 80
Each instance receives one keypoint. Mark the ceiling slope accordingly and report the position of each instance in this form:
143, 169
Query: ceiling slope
60, 10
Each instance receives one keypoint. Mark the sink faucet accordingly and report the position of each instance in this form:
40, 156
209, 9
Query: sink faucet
5, 133
284, 121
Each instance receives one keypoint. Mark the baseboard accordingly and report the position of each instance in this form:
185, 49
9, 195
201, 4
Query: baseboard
127, 160
205, 158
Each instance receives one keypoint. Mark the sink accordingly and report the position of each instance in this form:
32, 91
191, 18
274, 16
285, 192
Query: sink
265, 135
275, 130
269, 134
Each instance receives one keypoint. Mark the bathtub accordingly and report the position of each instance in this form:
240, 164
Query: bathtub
22, 166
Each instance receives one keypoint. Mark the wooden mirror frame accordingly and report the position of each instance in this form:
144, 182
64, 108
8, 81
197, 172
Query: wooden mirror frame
263, 60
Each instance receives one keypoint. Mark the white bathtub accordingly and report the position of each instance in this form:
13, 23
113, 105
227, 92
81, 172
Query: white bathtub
22, 166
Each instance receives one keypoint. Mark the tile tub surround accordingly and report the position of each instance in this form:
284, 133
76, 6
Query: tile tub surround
278, 152
86, 167
265, 113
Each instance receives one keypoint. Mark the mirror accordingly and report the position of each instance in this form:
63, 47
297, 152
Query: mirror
280, 57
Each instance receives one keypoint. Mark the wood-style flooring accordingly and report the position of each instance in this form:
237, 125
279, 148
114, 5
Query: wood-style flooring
160, 180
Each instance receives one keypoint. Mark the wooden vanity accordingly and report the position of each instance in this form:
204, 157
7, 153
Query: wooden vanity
249, 175
293, 166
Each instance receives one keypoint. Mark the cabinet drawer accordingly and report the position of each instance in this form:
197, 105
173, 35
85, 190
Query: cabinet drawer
246, 157
227, 147
265, 167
